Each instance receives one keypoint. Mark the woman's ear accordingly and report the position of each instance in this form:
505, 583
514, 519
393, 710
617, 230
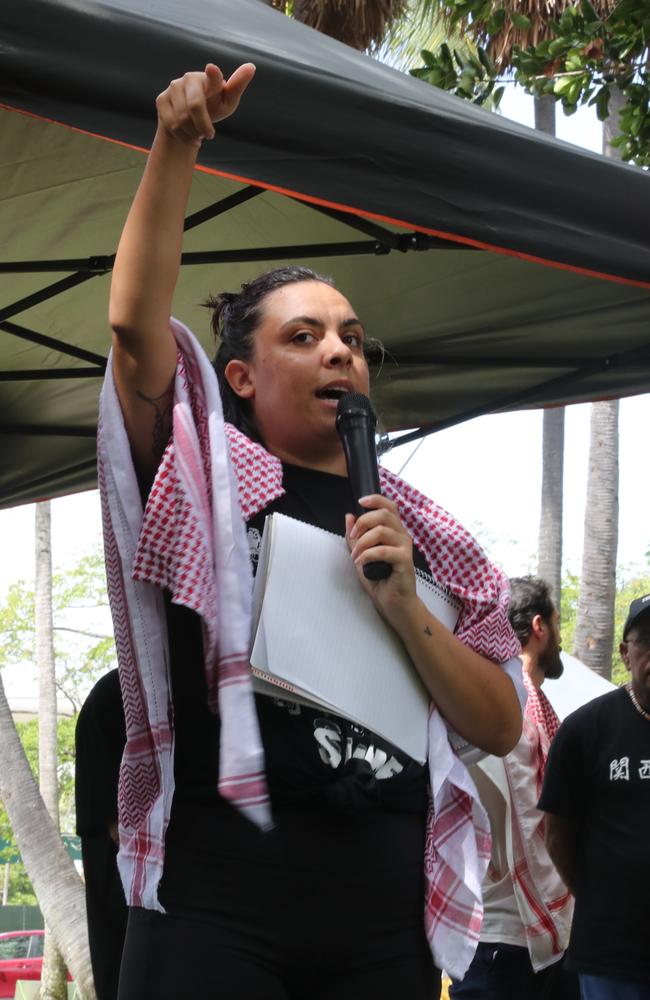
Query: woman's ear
239, 377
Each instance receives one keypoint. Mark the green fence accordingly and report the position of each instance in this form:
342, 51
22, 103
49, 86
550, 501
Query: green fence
72, 843
20, 918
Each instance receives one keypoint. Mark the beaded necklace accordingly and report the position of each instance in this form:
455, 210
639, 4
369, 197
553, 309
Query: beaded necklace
641, 711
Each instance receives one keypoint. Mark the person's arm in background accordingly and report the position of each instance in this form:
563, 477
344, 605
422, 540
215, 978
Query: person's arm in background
565, 797
562, 843
148, 257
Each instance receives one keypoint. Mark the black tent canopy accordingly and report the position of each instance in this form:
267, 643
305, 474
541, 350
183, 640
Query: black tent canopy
500, 268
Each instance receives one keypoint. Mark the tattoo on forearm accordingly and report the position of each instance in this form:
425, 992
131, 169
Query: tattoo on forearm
162, 427
427, 630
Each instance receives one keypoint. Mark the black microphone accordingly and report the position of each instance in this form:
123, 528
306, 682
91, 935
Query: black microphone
355, 422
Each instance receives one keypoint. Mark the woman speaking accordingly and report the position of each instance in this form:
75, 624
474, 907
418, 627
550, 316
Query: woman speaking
269, 850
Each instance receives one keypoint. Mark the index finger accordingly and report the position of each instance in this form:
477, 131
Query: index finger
375, 500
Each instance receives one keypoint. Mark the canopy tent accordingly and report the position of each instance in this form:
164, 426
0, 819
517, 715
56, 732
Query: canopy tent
499, 267
577, 685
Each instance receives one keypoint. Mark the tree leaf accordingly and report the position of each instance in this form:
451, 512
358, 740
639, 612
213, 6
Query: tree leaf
562, 85
520, 20
588, 12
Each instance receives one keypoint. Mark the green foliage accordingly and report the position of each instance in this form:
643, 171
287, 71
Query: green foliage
589, 56
586, 57
630, 584
464, 71
21, 891
569, 610
20, 888
83, 653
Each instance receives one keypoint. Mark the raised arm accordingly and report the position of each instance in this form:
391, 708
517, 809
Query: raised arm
148, 256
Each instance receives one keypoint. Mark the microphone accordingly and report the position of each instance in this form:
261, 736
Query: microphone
355, 423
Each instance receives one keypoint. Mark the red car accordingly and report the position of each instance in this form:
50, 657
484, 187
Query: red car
21, 957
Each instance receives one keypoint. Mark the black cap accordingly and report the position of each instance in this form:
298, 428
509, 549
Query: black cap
638, 606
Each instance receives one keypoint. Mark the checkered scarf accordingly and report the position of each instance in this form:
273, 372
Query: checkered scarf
545, 905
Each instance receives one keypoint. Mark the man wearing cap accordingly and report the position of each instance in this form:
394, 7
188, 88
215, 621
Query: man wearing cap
527, 908
596, 795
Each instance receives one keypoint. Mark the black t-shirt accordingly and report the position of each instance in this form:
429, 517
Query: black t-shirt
598, 775
100, 736
311, 756
317, 764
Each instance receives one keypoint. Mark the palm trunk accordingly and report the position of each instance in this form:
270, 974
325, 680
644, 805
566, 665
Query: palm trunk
549, 565
53, 975
594, 636
545, 114
5, 883
549, 548
56, 883
611, 127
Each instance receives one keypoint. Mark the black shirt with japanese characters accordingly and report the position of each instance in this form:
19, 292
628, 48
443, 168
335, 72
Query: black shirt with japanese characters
598, 776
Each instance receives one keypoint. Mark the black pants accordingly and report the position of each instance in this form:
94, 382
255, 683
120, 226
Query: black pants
505, 972
106, 911
167, 957
323, 907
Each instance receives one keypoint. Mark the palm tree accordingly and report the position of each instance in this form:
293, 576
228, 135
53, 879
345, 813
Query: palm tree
549, 544
594, 638
366, 25
539, 14
53, 977
362, 24
594, 635
58, 888
549, 550
56, 883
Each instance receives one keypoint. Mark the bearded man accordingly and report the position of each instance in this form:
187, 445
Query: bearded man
527, 907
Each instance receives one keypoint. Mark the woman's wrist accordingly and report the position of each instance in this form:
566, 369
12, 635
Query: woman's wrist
405, 614
175, 144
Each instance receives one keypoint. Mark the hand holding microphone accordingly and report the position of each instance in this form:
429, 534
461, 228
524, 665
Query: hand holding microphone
355, 423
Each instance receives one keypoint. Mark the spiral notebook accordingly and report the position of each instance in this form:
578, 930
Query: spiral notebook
318, 638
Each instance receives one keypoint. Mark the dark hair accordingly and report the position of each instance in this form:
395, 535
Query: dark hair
529, 596
235, 316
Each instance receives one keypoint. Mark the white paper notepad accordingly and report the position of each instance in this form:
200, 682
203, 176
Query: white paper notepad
318, 637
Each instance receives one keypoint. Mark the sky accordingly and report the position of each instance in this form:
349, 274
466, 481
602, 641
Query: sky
487, 472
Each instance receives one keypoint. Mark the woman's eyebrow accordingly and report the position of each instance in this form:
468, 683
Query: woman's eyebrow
312, 321
353, 321
307, 320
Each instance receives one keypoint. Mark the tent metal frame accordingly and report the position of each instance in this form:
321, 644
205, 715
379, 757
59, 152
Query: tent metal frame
381, 242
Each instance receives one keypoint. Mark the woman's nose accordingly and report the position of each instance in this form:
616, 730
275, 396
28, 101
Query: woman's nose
336, 351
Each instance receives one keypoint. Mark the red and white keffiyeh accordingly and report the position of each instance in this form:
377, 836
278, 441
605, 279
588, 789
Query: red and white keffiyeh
545, 905
191, 540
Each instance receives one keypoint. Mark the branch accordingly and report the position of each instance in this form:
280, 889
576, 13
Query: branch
80, 631
76, 706
580, 72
